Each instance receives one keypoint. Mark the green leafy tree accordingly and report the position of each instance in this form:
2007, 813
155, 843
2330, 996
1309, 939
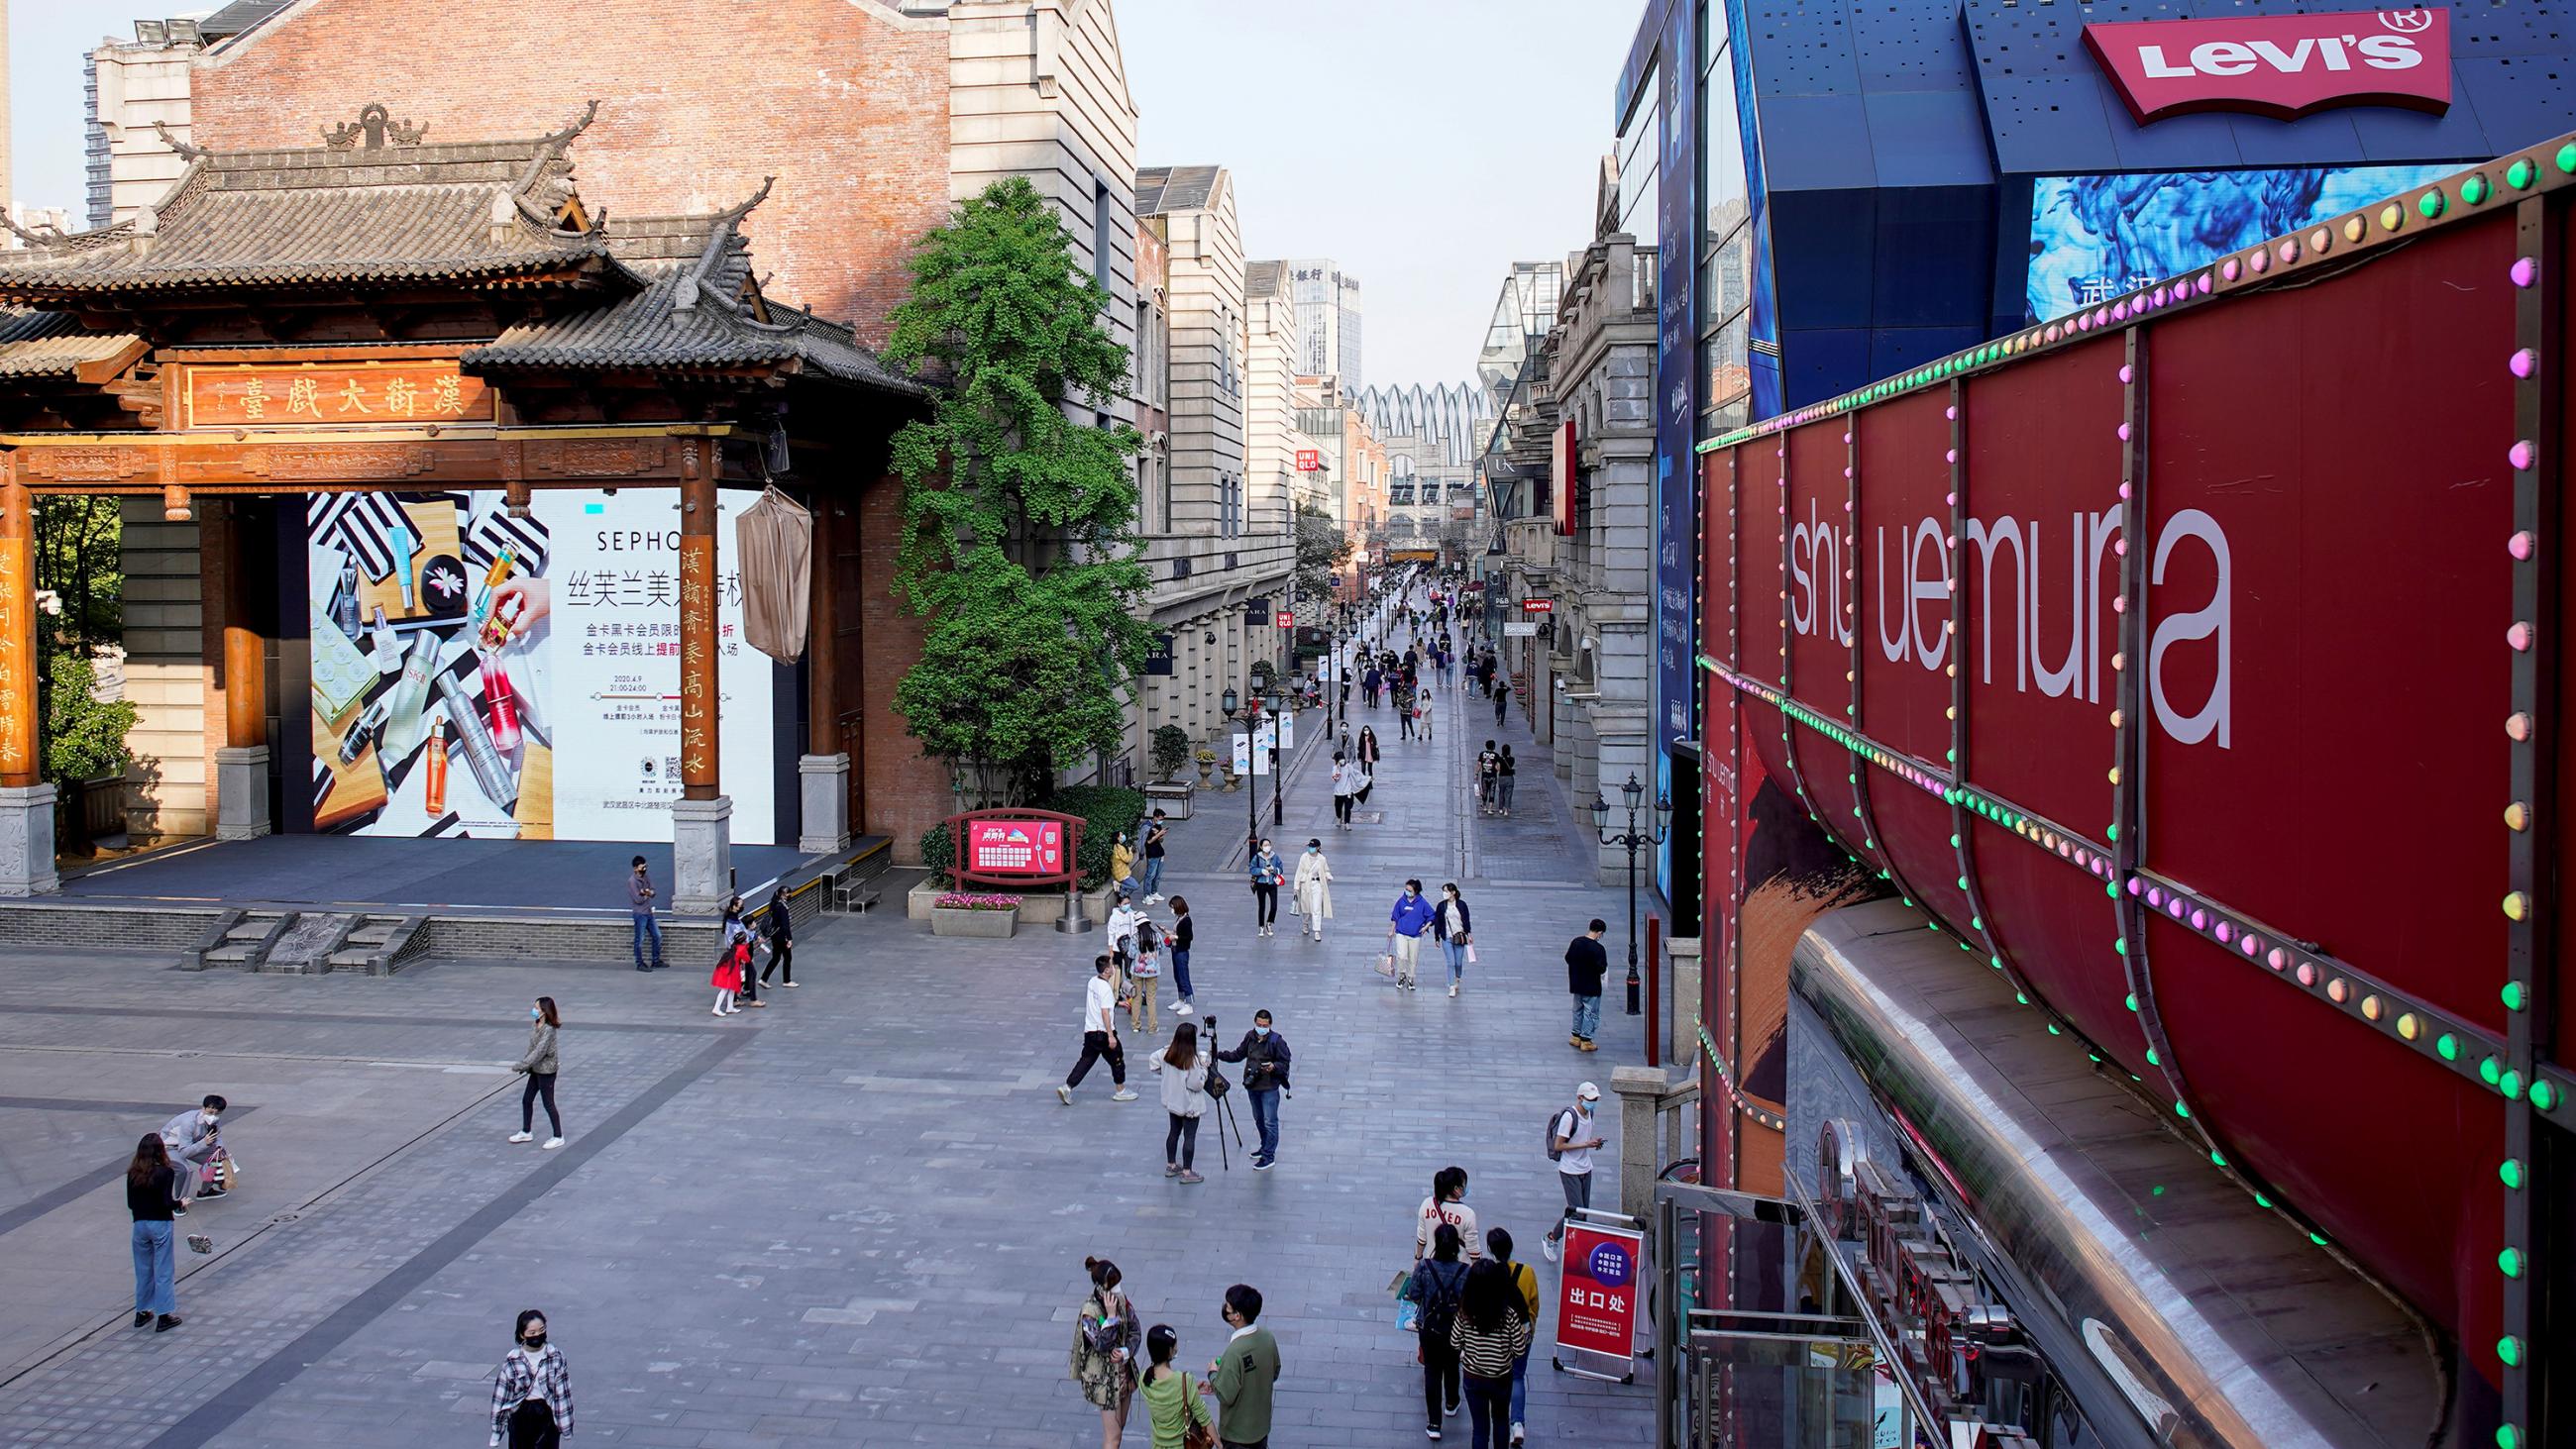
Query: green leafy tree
1322, 549
84, 737
1019, 541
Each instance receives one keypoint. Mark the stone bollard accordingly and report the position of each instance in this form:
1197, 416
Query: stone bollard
1641, 1092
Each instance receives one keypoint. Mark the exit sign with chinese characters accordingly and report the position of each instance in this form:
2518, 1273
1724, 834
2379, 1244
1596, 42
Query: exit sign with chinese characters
333, 394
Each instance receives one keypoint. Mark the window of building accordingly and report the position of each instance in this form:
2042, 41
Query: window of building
1100, 233
1638, 170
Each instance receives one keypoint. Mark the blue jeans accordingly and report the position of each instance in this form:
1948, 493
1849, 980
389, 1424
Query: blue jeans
156, 1269
1520, 1388
1587, 1016
1153, 875
1265, 1119
1457, 950
1181, 973
646, 926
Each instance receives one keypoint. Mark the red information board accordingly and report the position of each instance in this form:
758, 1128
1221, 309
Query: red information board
1024, 847
1596, 1299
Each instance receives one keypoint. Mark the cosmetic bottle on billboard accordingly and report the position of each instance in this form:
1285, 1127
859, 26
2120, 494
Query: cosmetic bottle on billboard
389, 659
344, 604
403, 722
433, 800
356, 739
402, 544
491, 772
503, 702
482, 609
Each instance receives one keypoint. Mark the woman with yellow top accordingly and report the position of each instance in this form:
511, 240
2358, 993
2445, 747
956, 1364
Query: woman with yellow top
1172, 1402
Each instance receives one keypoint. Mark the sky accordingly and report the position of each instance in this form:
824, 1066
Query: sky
1425, 145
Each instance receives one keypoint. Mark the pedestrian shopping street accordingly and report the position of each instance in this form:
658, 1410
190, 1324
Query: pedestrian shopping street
857, 1216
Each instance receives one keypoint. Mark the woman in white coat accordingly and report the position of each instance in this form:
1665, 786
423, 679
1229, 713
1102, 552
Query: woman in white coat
1313, 885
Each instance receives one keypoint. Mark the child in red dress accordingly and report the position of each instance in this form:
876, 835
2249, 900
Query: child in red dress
728, 977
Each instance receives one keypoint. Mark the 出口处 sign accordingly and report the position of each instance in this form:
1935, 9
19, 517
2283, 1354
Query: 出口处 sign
1596, 1298
349, 394
2279, 65
1028, 847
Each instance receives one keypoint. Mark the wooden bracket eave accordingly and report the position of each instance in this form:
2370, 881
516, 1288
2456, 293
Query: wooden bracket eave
107, 369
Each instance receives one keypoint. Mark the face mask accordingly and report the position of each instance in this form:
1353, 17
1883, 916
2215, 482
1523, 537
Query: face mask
535, 1015
208, 1118
1584, 1107
534, 1341
1261, 1031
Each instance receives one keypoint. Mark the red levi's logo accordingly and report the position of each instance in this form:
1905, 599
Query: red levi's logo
2279, 65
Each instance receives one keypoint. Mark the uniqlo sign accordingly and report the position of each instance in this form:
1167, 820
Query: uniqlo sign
1310, 460
2279, 65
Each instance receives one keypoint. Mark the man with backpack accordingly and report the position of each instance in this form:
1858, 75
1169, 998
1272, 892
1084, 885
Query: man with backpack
1572, 1133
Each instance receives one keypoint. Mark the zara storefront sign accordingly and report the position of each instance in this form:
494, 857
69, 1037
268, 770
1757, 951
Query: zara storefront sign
2279, 65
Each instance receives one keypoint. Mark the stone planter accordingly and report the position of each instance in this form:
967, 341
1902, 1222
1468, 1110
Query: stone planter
991, 925
1045, 908
1172, 797
1207, 773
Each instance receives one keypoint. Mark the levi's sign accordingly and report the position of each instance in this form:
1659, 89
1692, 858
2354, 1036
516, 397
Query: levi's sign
2279, 65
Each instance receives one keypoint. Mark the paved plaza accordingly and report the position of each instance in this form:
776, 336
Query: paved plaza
855, 1217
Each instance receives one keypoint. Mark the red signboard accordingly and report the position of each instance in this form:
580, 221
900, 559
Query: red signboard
2279, 65
2168, 655
1596, 1294
1561, 479
1023, 847
1538, 606
1310, 460
1287, 619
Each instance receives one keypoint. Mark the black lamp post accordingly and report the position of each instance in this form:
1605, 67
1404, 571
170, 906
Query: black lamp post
1251, 752
1278, 712
1632, 794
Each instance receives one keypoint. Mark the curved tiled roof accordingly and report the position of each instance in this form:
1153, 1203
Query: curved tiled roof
52, 344
335, 216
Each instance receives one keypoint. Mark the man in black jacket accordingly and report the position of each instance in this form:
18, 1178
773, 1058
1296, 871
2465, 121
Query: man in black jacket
1585, 961
1264, 1054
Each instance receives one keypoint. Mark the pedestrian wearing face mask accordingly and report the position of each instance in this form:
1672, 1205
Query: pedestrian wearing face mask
1264, 1054
1571, 1138
532, 1393
1453, 928
1447, 1204
195, 1147
1269, 873
539, 1063
1314, 891
1406, 921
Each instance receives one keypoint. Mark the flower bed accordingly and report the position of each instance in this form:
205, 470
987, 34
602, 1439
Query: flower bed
958, 913
957, 901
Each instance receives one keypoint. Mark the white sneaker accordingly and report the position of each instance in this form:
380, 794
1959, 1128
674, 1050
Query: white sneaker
553, 1142
1064, 1094
1123, 1094
715, 1011
1183, 1008
1517, 1431
1548, 1246
523, 1137
1453, 988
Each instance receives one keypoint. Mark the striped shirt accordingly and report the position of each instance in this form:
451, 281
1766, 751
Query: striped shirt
1489, 1355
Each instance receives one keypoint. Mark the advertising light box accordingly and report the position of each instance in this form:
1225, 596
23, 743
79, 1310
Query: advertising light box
480, 675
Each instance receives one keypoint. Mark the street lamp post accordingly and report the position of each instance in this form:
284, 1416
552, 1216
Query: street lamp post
1278, 711
1632, 794
1251, 752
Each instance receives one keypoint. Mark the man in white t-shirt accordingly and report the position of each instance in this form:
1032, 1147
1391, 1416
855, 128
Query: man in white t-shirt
1099, 1034
1576, 1132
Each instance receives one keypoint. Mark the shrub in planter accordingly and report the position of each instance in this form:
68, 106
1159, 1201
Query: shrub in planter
939, 852
1105, 810
1171, 750
959, 901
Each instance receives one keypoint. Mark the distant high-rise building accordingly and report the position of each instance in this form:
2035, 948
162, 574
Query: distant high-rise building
1328, 320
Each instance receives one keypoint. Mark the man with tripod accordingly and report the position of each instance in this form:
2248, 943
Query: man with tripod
1264, 1054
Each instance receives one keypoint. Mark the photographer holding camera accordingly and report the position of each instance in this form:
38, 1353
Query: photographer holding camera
1264, 1053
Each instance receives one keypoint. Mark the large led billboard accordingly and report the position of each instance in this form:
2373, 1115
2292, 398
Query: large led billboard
2093, 238
475, 674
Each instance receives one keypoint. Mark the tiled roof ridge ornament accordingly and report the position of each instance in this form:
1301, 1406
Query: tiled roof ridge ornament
558, 207
171, 139
722, 239
376, 128
43, 236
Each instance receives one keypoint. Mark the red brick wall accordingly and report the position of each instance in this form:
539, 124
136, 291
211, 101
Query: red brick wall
907, 792
843, 101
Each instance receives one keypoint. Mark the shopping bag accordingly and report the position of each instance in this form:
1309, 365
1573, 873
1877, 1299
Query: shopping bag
1386, 964
1408, 1312
227, 1176
1471, 953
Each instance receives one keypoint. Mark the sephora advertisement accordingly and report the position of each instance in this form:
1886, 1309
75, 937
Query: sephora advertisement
2093, 238
480, 675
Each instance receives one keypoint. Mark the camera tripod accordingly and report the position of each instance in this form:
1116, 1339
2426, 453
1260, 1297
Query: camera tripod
1222, 1091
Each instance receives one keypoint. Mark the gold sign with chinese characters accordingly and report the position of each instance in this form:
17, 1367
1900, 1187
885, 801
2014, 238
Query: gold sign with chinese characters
698, 688
333, 394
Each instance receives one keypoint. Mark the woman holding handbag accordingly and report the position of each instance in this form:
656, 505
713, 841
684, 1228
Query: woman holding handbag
1268, 875
1450, 926
1314, 891
1174, 1411
1105, 1336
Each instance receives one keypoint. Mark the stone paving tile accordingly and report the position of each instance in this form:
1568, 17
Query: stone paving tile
864, 1223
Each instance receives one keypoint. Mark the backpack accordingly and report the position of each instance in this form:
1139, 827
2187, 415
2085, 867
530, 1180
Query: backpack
1551, 1134
1439, 1303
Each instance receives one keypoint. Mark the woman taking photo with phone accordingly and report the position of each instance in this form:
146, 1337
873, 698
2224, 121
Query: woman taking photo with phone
1105, 1335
